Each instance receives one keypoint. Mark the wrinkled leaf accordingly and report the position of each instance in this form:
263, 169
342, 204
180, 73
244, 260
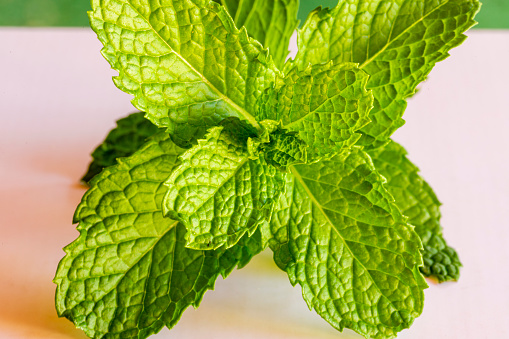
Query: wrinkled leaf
418, 202
324, 104
396, 42
128, 273
185, 62
337, 232
285, 149
219, 193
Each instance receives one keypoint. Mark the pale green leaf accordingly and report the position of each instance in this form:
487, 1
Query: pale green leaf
418, 202
324, 104
337, 232
185, 62
122, 141
271, 22
218, 192
397, 42
128, 273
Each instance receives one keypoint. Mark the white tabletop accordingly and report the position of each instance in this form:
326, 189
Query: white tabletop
58, 102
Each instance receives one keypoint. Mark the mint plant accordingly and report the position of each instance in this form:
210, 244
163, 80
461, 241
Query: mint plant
239, 149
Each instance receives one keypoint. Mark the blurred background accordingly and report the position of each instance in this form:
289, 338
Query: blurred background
494, 13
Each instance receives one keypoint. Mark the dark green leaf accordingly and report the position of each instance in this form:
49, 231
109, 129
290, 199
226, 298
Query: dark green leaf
418, 202
122, 141
271, 22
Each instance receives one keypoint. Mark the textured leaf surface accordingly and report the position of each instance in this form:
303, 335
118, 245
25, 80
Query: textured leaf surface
397, 42
325, 104
185, 62
219, 193
129, 273
339, 235
418, 202
279, 147
285, 149
271, 22
122, 141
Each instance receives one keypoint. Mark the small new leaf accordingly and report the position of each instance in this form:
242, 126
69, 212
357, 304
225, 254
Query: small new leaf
418, 202
285, 149
279, 147
397, 42
337, 232
128, 273
219, 193
324, 104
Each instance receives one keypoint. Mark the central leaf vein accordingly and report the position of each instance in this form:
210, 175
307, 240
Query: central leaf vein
236, 107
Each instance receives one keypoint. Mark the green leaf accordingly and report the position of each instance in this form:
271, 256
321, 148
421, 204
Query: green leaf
231, 5
418, 202
279, 147
325, 104
285, 149
219, 193
396, 42
128, 273
337, 232
122, 141
185, 62
271, 22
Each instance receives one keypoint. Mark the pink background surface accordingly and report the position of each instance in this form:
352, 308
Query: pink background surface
58, 103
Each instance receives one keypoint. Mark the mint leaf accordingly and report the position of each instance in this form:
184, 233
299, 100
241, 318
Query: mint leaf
271, 22
418, 202
122, 141
185, 62
129, 273
396, 42
285, 149
218, 192
325, 104
278, 147
338, 233
271, 161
